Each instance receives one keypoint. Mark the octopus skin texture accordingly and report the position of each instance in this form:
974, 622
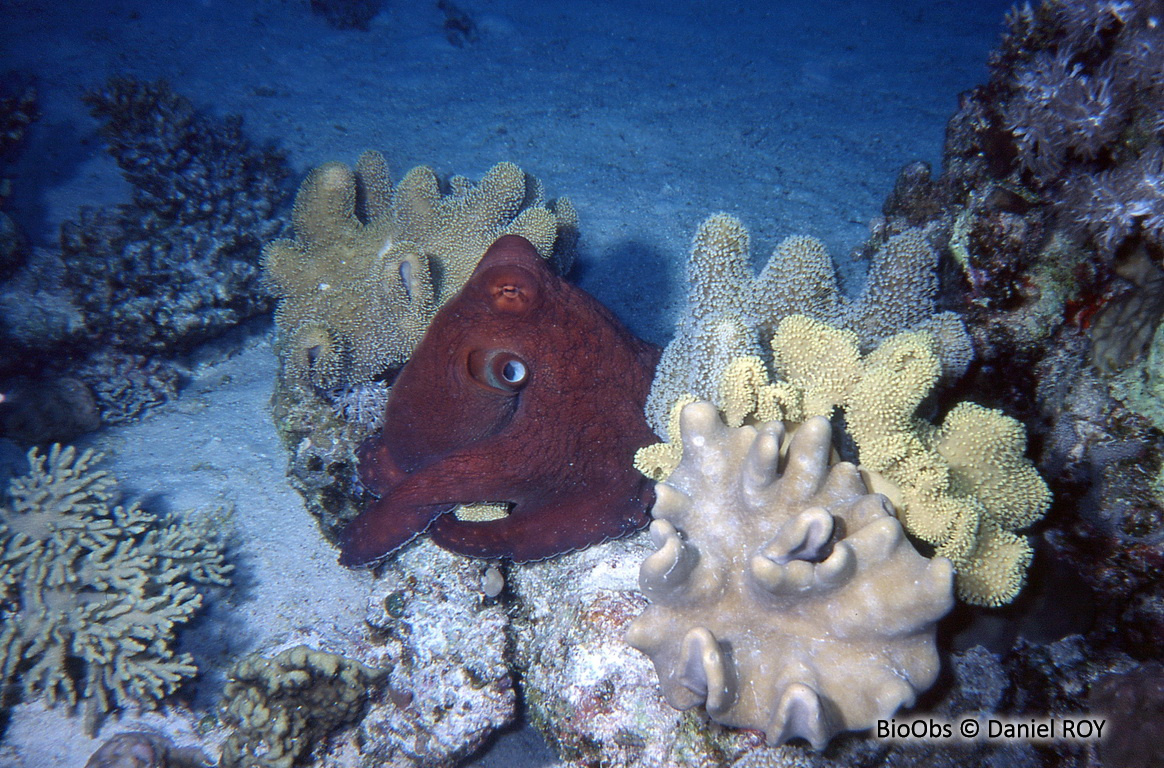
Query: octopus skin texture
524, 391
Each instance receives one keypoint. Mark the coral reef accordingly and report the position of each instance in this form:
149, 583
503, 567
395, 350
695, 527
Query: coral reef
372, 262
93, 592
1051, 192
1081, 96
179, 264
1062, 150
150, 279
730, 310
963, 488
282, 708
830, 587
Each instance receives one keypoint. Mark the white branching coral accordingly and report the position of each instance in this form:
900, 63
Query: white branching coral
91, 592
784, 596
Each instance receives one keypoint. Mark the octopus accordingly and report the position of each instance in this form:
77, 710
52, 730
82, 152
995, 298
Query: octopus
524, 392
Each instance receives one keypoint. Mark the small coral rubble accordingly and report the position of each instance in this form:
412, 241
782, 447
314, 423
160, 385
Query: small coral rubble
91, 594
784, 596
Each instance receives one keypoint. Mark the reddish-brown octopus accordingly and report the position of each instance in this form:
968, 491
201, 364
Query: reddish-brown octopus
525, 391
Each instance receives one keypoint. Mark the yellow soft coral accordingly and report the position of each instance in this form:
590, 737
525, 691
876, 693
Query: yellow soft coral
659, 460
371, 263
730, 309
746, 393
963, 487
820, 361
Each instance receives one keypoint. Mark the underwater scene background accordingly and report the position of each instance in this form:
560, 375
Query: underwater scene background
871, 476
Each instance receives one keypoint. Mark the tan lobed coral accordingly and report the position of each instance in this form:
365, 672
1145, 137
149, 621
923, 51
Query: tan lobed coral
371, 262
91, 594
783, 595
284, 706
963, 487
730, 309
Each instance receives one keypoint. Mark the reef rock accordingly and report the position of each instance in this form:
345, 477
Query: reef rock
449, 687
784, 596
594, 698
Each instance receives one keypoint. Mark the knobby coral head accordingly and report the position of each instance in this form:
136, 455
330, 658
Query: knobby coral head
525, 393
784, 596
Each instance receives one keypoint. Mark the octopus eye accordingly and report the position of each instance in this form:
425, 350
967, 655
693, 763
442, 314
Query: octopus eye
498, 369
513, 372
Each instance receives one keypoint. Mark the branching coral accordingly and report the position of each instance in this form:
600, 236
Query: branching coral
1118, 203
784, 596
135, 285
963, 487
730, 309
92, 593
371, 262
1080, 91
283, 706
179, 264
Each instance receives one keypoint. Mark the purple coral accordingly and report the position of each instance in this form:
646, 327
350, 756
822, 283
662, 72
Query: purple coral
1133, 702
1061, 112
1116, 204
1080, 91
